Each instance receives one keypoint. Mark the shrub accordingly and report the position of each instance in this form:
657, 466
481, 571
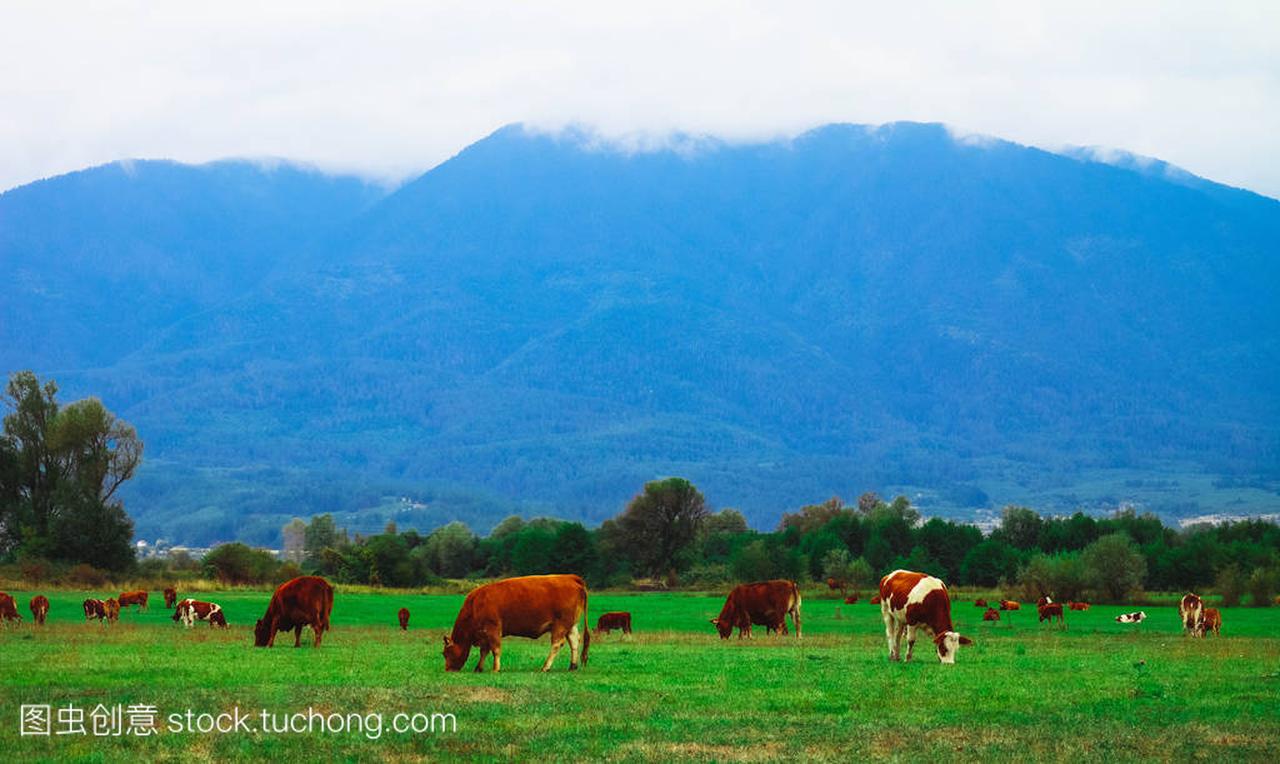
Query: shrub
1116, 568
1230, 585
1262, 587
35, 570
86, 575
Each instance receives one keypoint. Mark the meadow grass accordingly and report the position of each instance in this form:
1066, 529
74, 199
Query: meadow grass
1095, 690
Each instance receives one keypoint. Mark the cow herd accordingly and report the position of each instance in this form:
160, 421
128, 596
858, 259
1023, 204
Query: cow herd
531, 606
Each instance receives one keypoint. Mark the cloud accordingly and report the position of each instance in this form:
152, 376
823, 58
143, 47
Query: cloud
391, 89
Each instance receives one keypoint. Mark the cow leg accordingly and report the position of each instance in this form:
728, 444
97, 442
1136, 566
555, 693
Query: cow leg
891, 635
557, 642
297, 636
319, 632
911, 641
795, 616
575, 646
484, 651
497, 658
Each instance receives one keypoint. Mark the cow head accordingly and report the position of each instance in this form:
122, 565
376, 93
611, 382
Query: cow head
216, 618
261, 633
948, 644
723, 626
455, 654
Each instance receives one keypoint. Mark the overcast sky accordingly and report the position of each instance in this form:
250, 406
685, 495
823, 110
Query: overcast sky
396, 90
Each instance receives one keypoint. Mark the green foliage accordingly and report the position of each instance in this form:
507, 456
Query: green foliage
1117, 569
1230, 585
989, 563
1062, 576
237, 563
659, 526
1262, 587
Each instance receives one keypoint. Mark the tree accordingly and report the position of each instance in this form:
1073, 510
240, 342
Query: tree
989, 563
294, 535
660, 525
1262, 587
1115, 566
237, 563
1021, 527
837, 566
574, 551
321, 534
450, 549
812, 517
728, 521
1061, 576
1230, 585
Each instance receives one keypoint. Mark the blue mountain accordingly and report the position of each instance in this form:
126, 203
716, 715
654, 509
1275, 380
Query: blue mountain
545, 321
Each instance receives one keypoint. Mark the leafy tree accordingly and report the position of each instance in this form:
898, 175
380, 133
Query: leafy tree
533, 550
1116, 568
321, 534
1061, 576
451, 549
1230, 585
574, 551
812, 517
989, 563
837, 565
660, 525
1020, 527
294, 536
1262, 587
726, 521
237, 563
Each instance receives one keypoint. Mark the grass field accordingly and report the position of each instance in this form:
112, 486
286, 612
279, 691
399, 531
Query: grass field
1096, 690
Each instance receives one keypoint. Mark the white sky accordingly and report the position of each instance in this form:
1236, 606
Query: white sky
389, 89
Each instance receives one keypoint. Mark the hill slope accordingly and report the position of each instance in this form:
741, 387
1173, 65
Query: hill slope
544, 322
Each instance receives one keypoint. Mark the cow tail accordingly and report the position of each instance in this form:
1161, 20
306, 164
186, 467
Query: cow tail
586, 628
328, 607
796, 615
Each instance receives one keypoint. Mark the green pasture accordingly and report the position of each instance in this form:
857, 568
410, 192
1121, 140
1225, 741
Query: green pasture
1095, 690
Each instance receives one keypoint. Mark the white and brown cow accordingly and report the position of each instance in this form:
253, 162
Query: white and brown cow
1191, 610
911, 601
189, 611
1135, 617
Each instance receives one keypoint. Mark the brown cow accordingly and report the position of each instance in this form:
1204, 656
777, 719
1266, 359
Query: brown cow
763, 602
39, 608
911, 601
111, 609
979, 602
1044, 600
1049, 611
1211, 620
528, 606
138, 598
170, 597
1190, 609
875, 599
403, 615
1009, 605
1078, 605
189, 611
95, 609
852, 599
8, 609
302, 601
991, 614
616, 620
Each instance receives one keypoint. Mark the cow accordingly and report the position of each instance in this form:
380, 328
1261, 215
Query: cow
170, 597
138, 598
765, 603
9, 609
39, 608
298, 602
615, 620
111, 609
852, 599
95, 609
1050, 611
527, 606
991, 614
911, 601
1136, 617
403, 616
980, 602
1211, 620
1009, 605
1078, 605
875, 599
189, 611
1189, 610
1044, 600
838, 583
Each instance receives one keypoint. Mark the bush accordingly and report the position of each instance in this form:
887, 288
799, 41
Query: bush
1262, 587
1061, 576
87, 575
239, 564
1230, 585
35, 570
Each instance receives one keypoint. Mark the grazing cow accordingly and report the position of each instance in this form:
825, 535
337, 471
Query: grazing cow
189, 611
979, 602
991, 614
403, 615
1044, 600
1211, 620
875, 599
1189, 610
133, 598
95, 609
615, 620
1009, 605
111, 608
8, 609
852, 599
298, 602
1050, 611
1078, 605
170, 597
911, 601
837, 583
763, 602
1136, 617
528, 606
39, 608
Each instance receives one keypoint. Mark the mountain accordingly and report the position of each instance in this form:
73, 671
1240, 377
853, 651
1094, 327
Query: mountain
545, 321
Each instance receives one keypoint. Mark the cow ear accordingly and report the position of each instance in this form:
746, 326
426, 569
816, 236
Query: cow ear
715, 621
965, 640
447, 641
